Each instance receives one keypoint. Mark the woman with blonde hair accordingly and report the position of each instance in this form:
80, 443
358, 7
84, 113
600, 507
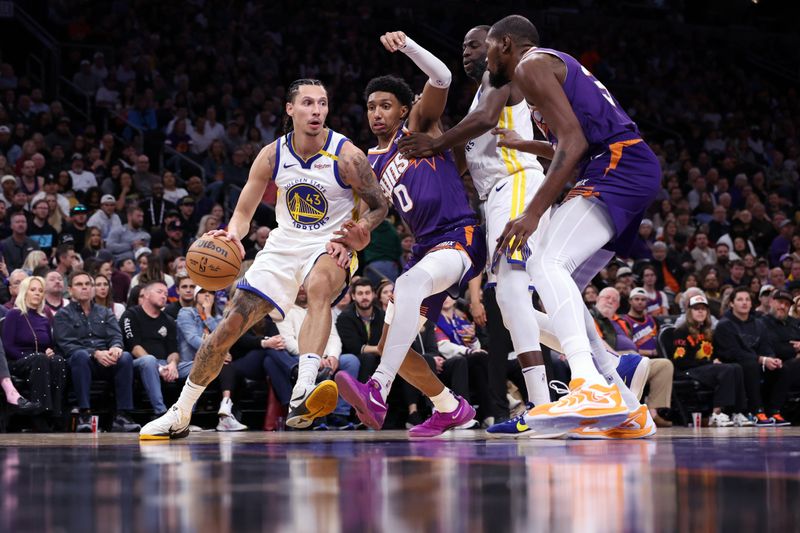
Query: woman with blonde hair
207, 223
56, 218
30, 348
33, 260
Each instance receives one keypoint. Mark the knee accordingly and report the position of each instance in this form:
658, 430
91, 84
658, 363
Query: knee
506, 296
125, 360
349, 363
79, 358
458, 362
147, 361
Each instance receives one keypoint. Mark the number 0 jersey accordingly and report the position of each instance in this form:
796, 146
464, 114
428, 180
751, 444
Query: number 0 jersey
312, 201
427, 192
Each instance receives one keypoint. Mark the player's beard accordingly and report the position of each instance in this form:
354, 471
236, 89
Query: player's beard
478, 69
499, 78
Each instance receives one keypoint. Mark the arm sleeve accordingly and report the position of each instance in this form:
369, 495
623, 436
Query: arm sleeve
438, 73
130, 330
11, 325
115, 244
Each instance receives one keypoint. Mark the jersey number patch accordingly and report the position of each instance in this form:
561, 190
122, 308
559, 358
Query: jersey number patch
603, 90
403, 198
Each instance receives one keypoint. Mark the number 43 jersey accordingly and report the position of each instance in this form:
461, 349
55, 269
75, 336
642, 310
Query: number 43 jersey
313, 201
427, 192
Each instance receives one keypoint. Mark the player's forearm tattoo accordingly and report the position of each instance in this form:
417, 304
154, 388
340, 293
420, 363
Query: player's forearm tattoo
245, 310
366, 185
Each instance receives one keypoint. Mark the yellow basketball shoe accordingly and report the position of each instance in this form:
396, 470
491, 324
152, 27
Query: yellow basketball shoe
638, 425
312, 403
593, 405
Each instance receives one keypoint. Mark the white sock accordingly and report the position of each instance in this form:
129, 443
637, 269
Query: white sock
630, 399
445, 401
536, 383
308, 368
189, 396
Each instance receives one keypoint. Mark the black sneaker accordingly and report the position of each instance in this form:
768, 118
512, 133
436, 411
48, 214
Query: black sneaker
414, 419
84, 424
779, 420
123, 424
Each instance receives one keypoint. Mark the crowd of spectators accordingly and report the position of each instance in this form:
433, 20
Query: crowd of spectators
97, 211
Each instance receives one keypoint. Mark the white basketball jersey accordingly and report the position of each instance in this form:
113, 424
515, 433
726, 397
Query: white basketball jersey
486, 162
312, 198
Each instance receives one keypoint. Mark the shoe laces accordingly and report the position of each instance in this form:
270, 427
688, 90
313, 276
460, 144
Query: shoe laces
559, 386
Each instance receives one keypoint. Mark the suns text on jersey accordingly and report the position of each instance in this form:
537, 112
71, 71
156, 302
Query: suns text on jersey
392, 173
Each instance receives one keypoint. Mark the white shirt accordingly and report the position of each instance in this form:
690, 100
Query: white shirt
83, 181
104, 223
289, 329
174, 196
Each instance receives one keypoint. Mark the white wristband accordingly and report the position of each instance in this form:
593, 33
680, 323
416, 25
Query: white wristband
438, 73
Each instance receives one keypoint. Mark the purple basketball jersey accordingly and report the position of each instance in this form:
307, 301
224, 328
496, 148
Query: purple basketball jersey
428, 193
602, 119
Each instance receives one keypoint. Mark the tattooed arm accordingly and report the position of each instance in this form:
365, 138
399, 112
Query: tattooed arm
357, 173
538, 79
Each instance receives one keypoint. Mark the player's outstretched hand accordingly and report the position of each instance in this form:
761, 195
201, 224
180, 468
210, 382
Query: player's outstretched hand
508, 138
393, 40
516, 233
339, 253
353, 235
416, 145
226, 236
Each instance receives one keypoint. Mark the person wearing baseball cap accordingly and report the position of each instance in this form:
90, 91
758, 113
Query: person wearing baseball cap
176, 243
106, 218
764, 296
82, 179
783, 336
693, 355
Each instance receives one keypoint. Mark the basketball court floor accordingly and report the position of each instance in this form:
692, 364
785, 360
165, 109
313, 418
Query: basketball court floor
683, 480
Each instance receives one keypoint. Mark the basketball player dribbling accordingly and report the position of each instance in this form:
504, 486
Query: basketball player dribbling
450, 248
618, 178
317, 172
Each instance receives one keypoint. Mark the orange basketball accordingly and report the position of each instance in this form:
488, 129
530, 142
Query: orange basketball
213, 263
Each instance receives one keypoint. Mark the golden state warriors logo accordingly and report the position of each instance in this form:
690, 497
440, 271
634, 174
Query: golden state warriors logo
307, 204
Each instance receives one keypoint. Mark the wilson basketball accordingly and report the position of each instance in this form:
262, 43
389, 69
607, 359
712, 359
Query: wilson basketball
213, 263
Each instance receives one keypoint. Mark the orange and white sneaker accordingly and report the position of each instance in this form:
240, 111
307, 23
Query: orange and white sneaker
638, 425
599, 406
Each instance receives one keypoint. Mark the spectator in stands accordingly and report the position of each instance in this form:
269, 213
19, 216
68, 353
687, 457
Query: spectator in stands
257, 241
456, 337
687, 295
702, 253
385, 292
105, 218
124, 241
40, 230
29, 348
693, 356
90, 339
152, 338
35, 259
85, 80
360, 326
17, 247
65, 259
82, 179
741, 339
333, 360
17, 404
186, 291
188, 215
657, 302
176, 243
14, 281
781, 244
54, 299
143, 179
94, 243
151, 269
736, 274
102, 295
194, 324
172, 193
783, 336
155, 207
382, 256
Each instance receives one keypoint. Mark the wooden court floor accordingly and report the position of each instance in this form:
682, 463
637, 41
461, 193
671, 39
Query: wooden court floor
682, 480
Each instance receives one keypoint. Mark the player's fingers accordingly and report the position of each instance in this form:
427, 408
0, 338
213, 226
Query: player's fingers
499, 131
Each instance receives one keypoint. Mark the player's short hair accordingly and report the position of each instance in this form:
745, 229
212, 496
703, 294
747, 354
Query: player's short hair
294, 87
391, 84
484, 27
520, 29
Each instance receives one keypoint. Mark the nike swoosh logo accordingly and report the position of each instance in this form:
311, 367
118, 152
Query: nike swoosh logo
522, 428
497, 189
289, 166
458, 411
598, 155
376, 402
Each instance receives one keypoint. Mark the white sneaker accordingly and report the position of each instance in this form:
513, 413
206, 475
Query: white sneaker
740, 420
174, 424
720, 420
229, 423
225, 407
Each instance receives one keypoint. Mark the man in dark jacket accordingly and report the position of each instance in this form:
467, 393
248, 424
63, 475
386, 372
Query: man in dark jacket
360, 327
740, 338
783, 336
89, 337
